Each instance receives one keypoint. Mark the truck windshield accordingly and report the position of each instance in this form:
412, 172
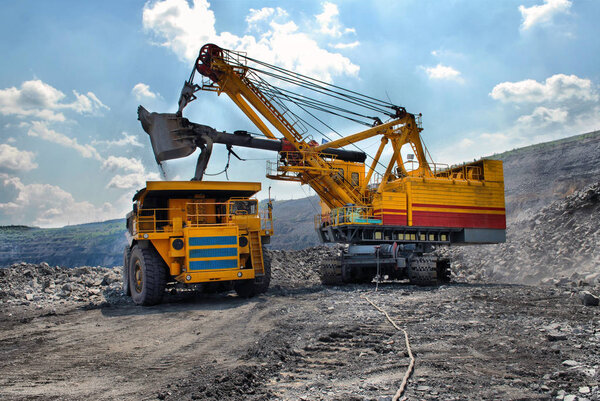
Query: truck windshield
243, 207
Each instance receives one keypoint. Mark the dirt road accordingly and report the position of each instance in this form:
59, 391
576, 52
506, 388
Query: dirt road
471, 342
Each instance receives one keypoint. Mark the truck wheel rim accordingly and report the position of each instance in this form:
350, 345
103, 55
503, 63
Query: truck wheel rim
139, 277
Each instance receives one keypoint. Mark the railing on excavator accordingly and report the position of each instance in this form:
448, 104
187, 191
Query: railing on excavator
439, 170
157, 220
347, 215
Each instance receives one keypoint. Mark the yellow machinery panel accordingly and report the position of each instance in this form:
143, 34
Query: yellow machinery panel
212, 248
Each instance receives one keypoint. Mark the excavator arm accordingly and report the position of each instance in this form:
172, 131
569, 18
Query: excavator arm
173, 137
303, 160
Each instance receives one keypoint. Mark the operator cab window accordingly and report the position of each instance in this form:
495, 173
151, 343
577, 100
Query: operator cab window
243, 207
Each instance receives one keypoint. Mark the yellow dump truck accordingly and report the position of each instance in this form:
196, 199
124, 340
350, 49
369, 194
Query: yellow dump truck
206, 234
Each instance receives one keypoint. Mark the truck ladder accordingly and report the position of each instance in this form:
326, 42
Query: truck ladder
256, 253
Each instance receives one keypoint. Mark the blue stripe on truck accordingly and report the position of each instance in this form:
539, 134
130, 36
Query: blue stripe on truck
213, 264
212, 252
222, 240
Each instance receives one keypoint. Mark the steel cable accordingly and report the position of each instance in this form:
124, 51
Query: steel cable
411, 365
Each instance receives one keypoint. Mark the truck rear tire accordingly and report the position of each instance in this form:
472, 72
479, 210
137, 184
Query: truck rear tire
147, 276
125, 271
260, 285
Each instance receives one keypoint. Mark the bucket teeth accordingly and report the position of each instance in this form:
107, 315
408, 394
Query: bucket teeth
145, 118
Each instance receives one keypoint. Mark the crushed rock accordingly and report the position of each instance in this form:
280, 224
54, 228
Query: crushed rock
556, 246
42, 286
294, 269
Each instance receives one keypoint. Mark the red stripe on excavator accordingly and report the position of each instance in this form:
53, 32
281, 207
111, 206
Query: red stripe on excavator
458, 207
466, 220
392, 216
393, 211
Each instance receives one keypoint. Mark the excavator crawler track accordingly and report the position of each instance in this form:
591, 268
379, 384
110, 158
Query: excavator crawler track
330, 272
423, 271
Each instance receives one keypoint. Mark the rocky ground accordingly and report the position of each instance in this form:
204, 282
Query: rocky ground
69, 333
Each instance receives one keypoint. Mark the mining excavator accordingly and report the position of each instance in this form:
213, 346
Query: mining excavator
390, 215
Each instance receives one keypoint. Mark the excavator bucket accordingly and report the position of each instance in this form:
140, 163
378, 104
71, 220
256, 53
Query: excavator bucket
165, 134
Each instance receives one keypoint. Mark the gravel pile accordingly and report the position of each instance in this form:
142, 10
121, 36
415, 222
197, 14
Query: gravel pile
560, 243
294, 269
42, 286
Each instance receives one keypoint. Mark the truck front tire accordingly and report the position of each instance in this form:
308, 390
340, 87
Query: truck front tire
147, 276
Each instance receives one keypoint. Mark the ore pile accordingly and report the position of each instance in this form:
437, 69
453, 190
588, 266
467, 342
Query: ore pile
294, 269
559, 244
42, 286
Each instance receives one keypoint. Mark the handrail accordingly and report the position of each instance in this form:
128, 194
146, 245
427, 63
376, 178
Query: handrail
194, 214
349, 215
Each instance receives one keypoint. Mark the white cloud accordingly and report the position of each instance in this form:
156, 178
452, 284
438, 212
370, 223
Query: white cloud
40, 129
142, 91
123, 163
39, 100
443, 72
350, 45
560, 107
329, 21
256, 17
557, 88
10, 140
466, 142
136, 178
542, 14
132, 181
542, 116
14, 159
126, 140
48, 205
184, 28
88, 103
259, 15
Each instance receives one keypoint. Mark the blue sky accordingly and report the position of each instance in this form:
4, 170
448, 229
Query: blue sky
488, 76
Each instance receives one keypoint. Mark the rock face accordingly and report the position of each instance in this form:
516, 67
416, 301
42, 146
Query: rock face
559, 242
293, 222
537, 175
90, 244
